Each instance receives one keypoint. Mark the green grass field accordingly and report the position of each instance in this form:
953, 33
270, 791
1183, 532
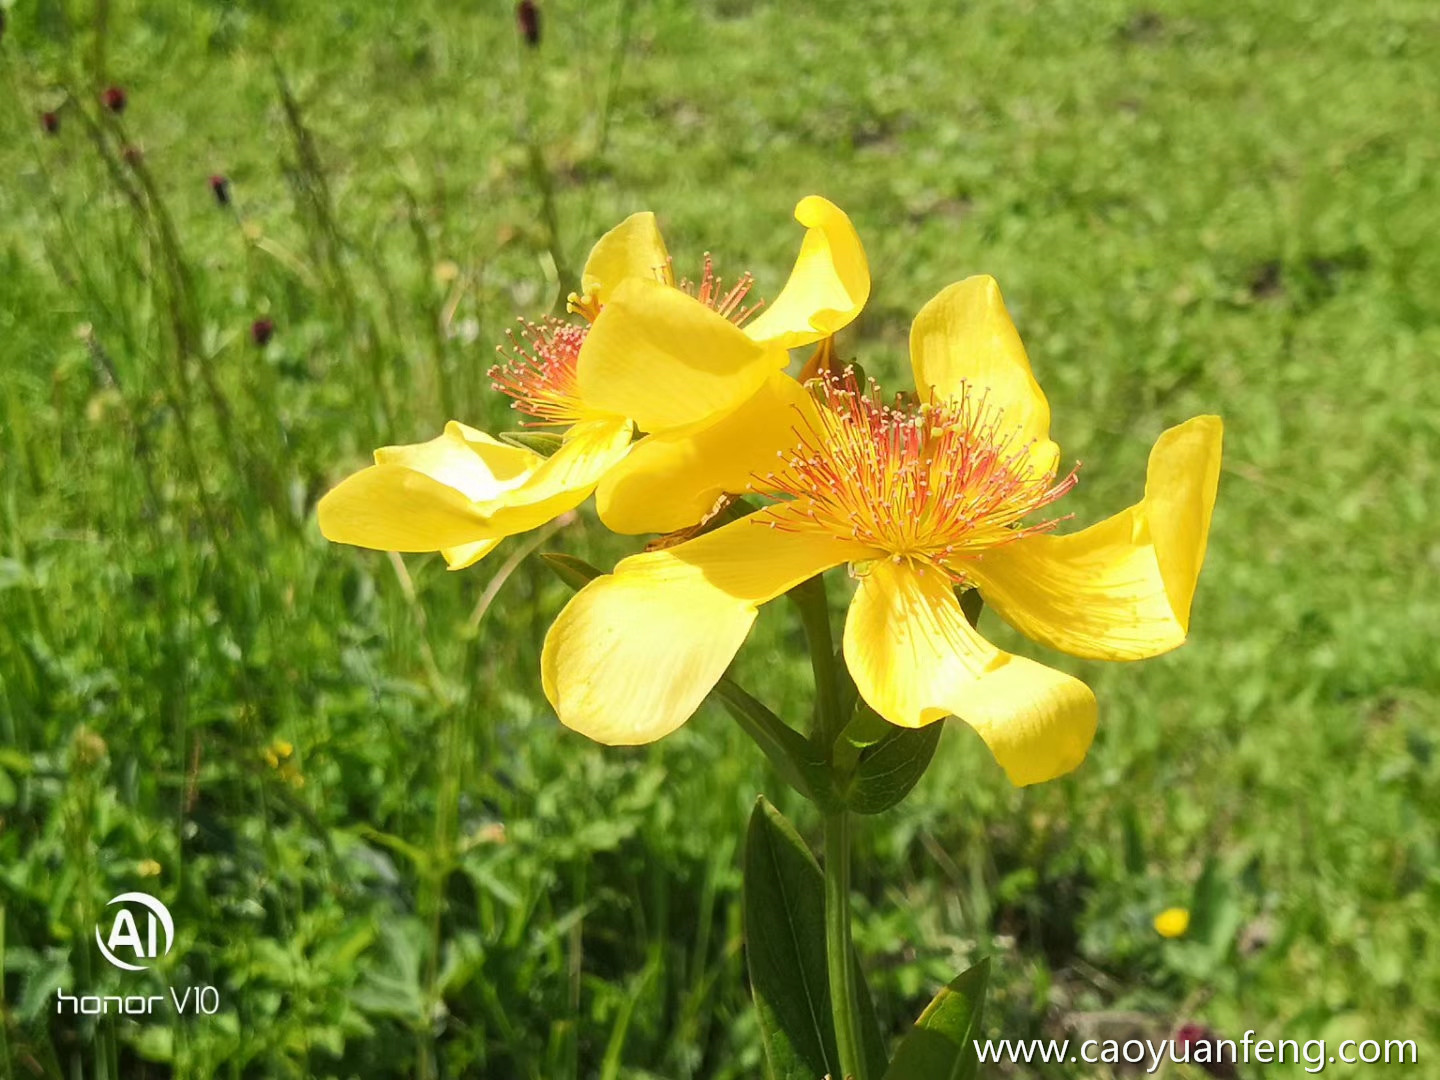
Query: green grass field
338, 769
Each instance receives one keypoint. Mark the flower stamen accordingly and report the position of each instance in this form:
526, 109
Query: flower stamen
712, 293
936, 482
537, 369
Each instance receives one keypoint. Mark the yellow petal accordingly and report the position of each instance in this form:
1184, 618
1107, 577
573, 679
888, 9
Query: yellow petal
963, 344
672, 480
392, 508
465, 459
916, 659
828, 286
665, 360
562, 481
463, 492
634, 653
634, 248
458, 558
1121, 589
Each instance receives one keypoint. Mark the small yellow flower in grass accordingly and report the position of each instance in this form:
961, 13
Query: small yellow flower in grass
278, 751
663, 359
918, 500
1172, 922
148, 868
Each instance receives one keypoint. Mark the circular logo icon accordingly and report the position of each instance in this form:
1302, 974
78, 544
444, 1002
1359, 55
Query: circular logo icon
125, 932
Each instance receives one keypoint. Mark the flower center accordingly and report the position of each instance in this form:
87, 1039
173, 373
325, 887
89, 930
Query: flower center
537, 367
937, 482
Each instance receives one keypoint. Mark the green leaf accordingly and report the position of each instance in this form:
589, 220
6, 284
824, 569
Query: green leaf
971, 604
941, 1045
577, 573
1215, 913
865, 729
541, 442
790, 752
784, 901
888, 769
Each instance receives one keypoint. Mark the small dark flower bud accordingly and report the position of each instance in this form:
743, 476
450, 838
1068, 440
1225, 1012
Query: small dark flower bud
113, 99
1201, 1047
261, 331
527, 18
50, 122
132, 155
221, 188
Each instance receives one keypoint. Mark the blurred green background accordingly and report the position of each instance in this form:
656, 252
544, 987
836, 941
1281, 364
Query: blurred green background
338, 769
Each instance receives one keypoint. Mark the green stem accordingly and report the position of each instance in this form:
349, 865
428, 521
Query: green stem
844, 1001
810, 598
814, 608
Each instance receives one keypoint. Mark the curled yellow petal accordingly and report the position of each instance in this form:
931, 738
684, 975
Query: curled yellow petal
467, 555
634, 248
915, 659
562, 481
963, 344
828, 285
1121, 589
468, 460
392, 508
634, 653
672, 479
463, 492
665, 360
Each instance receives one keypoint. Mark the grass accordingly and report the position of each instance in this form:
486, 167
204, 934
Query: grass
1192, 207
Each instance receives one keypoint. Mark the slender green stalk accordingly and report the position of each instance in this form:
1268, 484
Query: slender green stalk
844, 1001
814, 608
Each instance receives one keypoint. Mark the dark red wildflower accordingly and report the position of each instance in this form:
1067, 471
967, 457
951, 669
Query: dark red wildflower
527, 18
261, 331
113, 99
1201, 1047
220, 186
50, 121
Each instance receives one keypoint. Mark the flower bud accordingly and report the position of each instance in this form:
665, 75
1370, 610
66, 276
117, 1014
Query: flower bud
113, 99
132, 154
527, 18
220, 187
50, 123
1217, 1059
261, 331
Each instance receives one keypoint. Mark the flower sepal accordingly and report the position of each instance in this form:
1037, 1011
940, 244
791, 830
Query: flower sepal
886, 762
544, 443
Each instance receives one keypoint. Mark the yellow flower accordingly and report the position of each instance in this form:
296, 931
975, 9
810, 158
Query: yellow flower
148, 868
671, 361
917, 501
1172, 922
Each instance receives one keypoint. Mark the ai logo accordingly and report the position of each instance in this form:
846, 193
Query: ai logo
125, 933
